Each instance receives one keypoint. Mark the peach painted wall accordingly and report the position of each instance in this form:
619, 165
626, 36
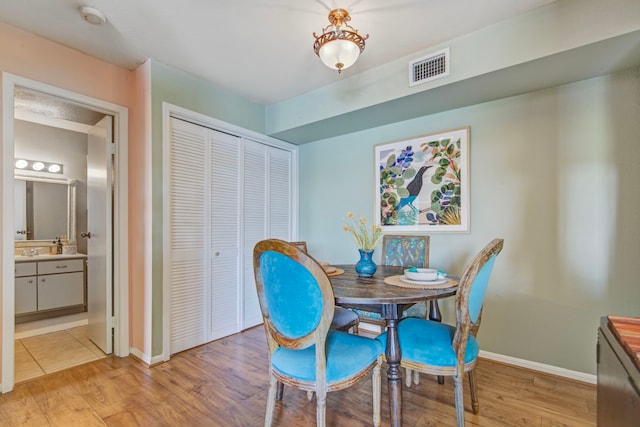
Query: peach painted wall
35, 58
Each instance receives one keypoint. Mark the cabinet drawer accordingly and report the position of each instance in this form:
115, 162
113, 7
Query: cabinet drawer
60, 290
60, 266
25, 269
26, 289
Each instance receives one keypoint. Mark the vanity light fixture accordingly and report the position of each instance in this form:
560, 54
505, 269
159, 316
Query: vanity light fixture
38, 166
339, 45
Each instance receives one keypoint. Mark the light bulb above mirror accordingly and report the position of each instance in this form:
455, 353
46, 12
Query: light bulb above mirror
38, 166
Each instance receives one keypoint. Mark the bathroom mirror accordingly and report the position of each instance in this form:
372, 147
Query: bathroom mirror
44, 209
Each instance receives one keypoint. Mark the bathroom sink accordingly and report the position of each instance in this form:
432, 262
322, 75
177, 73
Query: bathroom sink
45, 256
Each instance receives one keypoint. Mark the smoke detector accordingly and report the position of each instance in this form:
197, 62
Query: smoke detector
92, 15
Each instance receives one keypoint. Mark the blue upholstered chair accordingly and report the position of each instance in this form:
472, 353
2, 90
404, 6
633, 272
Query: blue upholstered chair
303, 351
440, 349
343, 318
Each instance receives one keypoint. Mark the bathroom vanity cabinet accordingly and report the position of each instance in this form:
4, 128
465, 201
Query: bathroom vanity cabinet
50, 286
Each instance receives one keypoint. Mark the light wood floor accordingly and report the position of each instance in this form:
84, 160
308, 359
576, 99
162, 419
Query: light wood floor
224, 383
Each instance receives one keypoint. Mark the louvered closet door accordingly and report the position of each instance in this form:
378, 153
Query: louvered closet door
279, 193
189, 212
225, 240
254, 214
204, 210
266, 211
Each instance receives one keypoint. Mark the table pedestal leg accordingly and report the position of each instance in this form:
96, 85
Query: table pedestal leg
394, 373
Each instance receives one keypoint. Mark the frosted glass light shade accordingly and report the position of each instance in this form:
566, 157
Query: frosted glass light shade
339, 54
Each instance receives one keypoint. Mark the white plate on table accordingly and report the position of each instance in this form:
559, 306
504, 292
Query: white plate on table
438, 281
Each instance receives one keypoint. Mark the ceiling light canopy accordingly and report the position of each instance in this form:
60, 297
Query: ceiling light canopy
339, 45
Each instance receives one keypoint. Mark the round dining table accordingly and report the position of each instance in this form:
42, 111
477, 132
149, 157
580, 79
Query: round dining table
375, 295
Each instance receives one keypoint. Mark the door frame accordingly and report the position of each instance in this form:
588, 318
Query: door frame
120, 220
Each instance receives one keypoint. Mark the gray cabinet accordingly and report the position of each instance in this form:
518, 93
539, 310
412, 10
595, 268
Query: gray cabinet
50, 288
26, 294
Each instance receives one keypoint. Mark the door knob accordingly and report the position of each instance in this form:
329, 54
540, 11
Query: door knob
87, 234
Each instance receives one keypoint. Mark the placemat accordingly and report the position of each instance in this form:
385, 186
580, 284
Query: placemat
338, 272
395, 281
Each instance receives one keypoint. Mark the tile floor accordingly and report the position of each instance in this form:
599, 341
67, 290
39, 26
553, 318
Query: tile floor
43, 354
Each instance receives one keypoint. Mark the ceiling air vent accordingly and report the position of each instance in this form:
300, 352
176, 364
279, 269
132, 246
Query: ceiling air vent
430, 67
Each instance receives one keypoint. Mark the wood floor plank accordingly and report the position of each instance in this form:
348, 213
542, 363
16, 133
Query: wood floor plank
19, 408
224, 384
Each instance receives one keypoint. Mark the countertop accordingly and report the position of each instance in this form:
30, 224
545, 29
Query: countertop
627, 331
47, 257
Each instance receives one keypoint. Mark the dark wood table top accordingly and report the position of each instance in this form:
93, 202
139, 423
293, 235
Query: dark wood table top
349, 289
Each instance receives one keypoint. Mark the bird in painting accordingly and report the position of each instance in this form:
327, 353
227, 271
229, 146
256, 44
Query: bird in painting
413, 188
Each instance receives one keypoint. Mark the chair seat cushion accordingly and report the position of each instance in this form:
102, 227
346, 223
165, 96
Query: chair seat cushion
347, 355
430, 343
343, 319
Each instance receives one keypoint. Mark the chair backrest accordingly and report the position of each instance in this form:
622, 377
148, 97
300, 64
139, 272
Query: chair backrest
471, 291
405, 251
300, 245
287, 279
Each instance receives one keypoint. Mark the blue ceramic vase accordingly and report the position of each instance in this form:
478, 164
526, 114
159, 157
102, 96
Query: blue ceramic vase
365, 267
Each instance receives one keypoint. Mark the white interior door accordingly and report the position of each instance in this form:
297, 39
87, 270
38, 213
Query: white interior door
188, 213
20, 211
203, 234
224, 200
99, 229
254, 204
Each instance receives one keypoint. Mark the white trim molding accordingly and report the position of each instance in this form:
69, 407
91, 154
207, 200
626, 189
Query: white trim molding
121, 221
541, 367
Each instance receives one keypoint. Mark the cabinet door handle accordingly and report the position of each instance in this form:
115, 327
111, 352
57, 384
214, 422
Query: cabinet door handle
30, 281
61, 266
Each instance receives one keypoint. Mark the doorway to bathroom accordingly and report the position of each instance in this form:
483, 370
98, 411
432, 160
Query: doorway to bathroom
100, 220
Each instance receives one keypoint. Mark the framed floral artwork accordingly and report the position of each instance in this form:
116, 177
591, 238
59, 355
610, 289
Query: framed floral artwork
422, 183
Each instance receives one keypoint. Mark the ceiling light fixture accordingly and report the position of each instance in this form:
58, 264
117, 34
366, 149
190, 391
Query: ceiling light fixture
92, 15
339, 45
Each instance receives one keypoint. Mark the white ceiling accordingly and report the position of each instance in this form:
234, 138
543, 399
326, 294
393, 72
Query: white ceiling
260, 49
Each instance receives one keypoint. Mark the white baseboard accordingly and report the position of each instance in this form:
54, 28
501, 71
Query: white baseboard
140, 355
42, 327
535, 366
541, 367
145, 357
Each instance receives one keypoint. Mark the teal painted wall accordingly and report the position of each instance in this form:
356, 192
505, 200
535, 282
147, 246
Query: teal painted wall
179, 88
553, 172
